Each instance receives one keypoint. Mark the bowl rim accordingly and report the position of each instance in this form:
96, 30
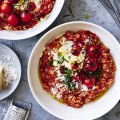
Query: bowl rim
38, 30
29, 64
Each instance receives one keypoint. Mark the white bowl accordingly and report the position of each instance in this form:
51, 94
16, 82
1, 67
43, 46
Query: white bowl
40, 27
89, 111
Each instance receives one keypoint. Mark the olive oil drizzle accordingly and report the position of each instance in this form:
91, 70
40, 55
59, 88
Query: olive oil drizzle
101, 95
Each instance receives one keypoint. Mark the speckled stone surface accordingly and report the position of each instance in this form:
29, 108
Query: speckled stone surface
84, 10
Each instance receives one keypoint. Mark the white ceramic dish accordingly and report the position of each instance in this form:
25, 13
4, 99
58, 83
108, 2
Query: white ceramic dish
19, 35
8, 57
92, 110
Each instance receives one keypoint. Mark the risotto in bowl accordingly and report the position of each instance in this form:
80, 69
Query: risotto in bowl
75, 71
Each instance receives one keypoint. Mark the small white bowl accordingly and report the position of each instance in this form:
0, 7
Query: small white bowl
40, 27
89, 111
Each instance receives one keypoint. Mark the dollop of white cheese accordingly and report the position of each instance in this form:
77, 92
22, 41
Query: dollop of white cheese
84, 88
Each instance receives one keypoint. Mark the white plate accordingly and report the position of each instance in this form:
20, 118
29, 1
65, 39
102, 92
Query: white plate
18, 35
8, 57
89, 111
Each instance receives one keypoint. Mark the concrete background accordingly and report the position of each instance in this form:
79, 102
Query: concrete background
84, 10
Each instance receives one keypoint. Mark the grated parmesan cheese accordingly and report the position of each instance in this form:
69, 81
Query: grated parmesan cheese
58, 89
9, 73
84, 88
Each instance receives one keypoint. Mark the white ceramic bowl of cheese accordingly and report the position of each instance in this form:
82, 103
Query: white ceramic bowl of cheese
89, 111
40, 27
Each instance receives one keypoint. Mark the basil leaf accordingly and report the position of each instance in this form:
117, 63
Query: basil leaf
96, 73
61, 60
68, 72
73, 85
68, 78
69, 85
51, 63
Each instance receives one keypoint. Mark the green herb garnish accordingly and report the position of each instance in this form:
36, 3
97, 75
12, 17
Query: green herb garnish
61, 60
73, 85
68, 78
68, 72
51, 63
70, 85
96, 73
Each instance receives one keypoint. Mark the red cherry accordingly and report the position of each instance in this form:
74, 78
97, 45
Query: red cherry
76, 78
81, 76
43, 11
89, 82
74, 66
31, 6
5, 8
0, 21
76, 49
91, 65
93, 80
13, 20
93, 51
79, 42
62, 69
12, 1
1, 0
26, 16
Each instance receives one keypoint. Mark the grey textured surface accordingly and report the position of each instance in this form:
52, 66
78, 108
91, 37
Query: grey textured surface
81, 9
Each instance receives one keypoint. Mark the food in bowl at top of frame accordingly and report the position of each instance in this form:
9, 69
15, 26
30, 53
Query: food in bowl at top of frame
76, 68
23, 14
